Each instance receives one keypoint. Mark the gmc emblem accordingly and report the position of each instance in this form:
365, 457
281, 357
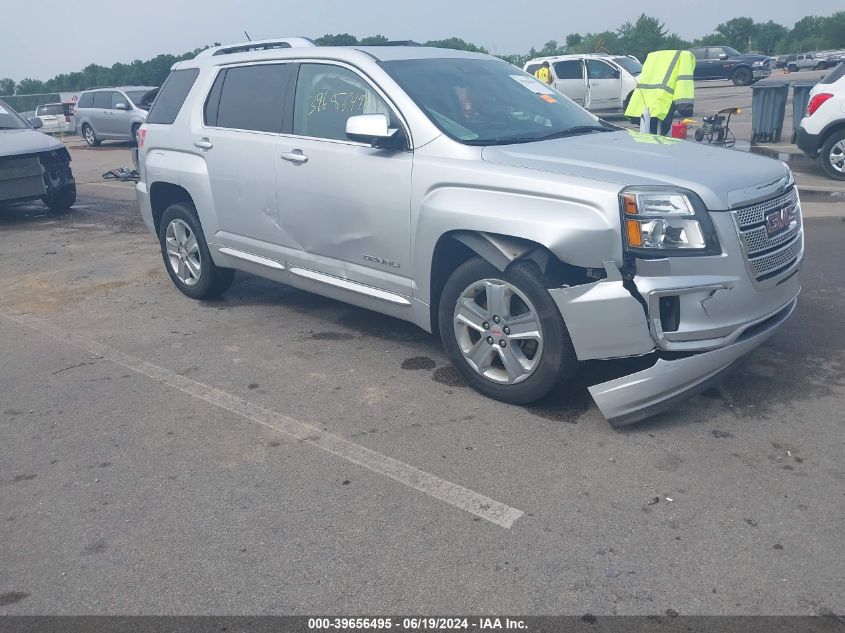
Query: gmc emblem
780, 220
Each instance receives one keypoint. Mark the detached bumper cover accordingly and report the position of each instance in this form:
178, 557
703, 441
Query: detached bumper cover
640, 395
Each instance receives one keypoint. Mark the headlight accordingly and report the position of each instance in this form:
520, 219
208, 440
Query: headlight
662, 222
758, 64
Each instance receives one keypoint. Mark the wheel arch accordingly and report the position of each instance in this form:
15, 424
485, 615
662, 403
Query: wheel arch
501, 251
830, 129
162, 195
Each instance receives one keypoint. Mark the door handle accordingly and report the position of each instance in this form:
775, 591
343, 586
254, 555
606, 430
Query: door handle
296, 157
203, 144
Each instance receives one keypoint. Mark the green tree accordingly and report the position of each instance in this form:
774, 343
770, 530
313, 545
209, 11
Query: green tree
7, 87
832, 33
456, 43
737, 33
30, 87
645, 35
573, 40
767, 36
341, 39
373, 40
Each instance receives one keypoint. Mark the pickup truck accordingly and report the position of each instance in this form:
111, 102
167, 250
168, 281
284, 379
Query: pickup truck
724, 62
808, 61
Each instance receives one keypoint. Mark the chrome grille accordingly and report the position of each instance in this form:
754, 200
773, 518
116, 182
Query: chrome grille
758, 240
756, 214
769, 255
766, 265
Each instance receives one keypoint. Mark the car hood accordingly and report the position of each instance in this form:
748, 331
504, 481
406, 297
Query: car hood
750, 57
26, 141
723, 178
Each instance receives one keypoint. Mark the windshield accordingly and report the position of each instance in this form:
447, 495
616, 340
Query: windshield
731, 51
9, 119
630, 64
487, 101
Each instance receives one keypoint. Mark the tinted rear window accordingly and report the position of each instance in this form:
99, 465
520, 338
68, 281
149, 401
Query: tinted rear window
86, 100
569, 69
252, 98
172, 95
834, 75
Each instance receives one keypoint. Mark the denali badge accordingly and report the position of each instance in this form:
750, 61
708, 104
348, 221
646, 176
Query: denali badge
780, 220
381, 260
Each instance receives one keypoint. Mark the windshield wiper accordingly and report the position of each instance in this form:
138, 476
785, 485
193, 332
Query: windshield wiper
575, 131
572, 131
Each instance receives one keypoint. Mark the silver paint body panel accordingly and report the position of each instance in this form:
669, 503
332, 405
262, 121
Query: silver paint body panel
330, 223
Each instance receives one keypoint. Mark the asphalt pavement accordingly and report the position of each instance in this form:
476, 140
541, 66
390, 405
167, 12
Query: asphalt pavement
278, 452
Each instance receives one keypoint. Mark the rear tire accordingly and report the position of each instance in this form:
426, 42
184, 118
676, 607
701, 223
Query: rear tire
792, 68
539, 343
186, 255
833, 152
742, 77
90, 136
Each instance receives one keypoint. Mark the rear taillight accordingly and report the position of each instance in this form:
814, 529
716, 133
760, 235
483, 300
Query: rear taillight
816, 102
142, 137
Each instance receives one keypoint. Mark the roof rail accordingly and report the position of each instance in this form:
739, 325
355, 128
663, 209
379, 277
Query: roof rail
257, 45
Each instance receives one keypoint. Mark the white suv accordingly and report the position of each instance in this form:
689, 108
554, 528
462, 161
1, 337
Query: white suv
599, 82
822, 132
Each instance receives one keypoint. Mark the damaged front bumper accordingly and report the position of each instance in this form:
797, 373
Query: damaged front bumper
698, 314
32, 176
640, 395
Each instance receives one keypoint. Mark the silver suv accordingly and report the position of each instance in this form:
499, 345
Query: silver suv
111, 113
455, 191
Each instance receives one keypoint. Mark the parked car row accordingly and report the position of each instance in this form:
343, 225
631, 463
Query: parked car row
810, 61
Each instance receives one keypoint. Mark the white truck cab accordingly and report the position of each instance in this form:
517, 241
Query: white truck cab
599, 82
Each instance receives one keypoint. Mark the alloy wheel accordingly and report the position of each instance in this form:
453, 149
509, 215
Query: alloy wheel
498, 331
183, 252
837, 156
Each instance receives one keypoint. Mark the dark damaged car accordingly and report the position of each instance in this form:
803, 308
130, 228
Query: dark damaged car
33, 166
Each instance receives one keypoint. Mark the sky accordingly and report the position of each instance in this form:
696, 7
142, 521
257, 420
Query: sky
57, 36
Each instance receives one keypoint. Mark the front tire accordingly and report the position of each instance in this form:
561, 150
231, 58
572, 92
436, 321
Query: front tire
530, 353
186, 255
832, 155
792, 68
742, 77
62, 200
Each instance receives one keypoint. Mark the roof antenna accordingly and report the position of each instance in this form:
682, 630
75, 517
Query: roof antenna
248, 38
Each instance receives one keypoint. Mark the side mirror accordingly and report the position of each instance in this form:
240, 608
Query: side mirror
121, 106
36, 122
723, 55
369, 128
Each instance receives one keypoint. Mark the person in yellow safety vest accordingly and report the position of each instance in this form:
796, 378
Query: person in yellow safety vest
665, 83
544, 73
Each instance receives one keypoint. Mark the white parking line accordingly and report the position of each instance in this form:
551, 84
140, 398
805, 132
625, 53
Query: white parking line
452, 493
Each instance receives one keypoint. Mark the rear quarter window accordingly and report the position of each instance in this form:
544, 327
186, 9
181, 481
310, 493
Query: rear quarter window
172, 96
